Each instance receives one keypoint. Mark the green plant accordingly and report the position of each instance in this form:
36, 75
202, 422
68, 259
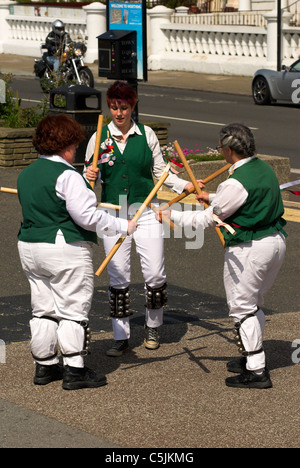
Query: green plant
176, 3
13, 115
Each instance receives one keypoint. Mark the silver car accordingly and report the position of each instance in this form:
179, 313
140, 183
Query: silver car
270, 86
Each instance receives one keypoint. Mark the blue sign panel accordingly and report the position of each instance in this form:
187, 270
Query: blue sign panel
131, 16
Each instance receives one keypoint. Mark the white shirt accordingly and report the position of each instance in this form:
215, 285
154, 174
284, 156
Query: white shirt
158, 164
230, 196
81, 203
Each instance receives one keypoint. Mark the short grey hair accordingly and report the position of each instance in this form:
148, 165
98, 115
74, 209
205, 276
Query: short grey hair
239, 138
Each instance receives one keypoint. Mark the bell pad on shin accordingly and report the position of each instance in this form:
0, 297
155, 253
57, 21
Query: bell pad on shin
119, 302
87, 340
156, 297
238, 339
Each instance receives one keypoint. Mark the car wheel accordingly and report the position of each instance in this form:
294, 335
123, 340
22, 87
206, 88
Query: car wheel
261, 91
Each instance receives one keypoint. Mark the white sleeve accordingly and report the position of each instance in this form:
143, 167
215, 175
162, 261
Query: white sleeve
81, 204
230, 196
196, 219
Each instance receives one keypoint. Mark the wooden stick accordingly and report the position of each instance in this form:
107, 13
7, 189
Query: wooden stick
135, 218
192, 190
110, 206
195, 184
97, 146
8, 190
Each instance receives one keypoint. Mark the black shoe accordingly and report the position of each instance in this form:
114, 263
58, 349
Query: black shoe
249, 379
237, 365
118, 348
46, 374
77, 378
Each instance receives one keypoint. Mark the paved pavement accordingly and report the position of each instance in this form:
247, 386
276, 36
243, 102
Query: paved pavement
171, 398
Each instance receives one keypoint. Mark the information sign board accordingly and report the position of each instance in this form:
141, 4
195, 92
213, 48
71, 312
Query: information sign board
131, 16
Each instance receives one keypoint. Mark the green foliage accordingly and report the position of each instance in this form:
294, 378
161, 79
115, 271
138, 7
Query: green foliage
176, 3
12, 115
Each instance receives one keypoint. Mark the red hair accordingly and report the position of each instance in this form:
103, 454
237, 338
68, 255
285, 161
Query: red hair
121, 91
54, 133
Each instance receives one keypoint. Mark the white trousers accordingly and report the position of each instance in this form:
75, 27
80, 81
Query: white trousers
149, 241
61, 279
250, 270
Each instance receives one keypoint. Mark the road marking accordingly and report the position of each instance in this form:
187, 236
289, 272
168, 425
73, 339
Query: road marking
189, 120
218, 124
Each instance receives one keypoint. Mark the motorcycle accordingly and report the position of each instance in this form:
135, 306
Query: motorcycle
71, 69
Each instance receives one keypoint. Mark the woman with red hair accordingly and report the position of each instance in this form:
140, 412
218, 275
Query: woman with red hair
60, 221
130, 156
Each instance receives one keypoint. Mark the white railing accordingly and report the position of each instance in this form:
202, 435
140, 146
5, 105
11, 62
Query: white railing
32, 23
29, 29
221, 41
291, 43
226, 42
237, 18
24, 28
216, 43
218, 48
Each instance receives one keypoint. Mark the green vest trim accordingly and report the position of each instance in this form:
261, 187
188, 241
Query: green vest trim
43, 212
261, 215
131, 175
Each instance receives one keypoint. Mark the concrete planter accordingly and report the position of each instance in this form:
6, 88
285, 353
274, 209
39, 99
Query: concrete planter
280, 165
16, 148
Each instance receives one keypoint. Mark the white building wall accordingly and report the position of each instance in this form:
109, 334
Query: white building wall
228, 43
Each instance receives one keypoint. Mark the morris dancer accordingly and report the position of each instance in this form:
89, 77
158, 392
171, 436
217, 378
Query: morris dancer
60, 221
250, 201
129, 154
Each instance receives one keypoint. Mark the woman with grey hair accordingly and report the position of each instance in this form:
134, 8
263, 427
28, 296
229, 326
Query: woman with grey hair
249, 203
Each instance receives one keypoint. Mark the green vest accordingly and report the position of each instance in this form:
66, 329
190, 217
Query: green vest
131, 174
43, 212
261, 215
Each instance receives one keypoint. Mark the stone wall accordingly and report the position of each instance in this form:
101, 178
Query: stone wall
16, 149
161, 130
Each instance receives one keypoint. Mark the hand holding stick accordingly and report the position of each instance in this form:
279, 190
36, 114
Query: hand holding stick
97, 146
135, 218
192, 190
195, 184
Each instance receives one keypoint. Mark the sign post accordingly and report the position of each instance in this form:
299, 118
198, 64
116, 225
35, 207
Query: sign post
122, 50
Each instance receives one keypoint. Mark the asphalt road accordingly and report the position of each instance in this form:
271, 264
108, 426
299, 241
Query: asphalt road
197, 116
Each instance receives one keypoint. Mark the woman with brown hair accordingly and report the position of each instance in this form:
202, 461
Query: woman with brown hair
60, 222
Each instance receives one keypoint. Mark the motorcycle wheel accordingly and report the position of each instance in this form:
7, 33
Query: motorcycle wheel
46, 81
86, 77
